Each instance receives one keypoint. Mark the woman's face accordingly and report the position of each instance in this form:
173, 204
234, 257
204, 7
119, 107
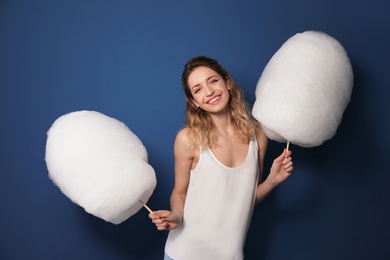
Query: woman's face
208, 89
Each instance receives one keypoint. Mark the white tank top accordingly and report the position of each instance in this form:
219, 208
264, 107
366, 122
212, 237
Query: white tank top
217, 210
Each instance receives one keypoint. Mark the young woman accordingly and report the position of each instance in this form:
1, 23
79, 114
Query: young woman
219, 158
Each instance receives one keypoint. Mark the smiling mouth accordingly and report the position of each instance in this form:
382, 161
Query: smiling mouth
213, 100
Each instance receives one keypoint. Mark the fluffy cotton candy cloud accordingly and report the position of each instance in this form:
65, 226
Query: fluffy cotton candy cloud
99, 164
304, 90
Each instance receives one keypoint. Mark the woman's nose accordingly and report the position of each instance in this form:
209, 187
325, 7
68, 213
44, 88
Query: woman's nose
209, 91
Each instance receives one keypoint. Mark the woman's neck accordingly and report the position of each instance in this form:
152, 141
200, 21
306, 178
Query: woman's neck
223, 124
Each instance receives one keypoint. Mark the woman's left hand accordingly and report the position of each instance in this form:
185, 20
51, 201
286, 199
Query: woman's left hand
281, 168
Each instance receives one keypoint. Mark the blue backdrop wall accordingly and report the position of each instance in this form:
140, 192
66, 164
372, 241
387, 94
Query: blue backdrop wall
124, 58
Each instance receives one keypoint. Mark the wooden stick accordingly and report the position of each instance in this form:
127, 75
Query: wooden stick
288, 145
146, 206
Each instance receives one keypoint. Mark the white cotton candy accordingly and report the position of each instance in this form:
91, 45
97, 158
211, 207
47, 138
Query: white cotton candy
99, 164
304, 90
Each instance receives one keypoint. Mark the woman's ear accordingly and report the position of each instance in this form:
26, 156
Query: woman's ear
228, 83
194, 103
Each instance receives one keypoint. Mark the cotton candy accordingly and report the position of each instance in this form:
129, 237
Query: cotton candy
99, 164
304, 90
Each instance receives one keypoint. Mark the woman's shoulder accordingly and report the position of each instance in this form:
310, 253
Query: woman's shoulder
183, 135
183, 143
261, 137
183, 139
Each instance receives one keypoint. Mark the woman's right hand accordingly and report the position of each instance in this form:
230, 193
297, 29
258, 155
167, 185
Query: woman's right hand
165, 219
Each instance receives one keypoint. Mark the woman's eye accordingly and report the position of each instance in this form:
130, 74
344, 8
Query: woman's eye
214, 80
196, 90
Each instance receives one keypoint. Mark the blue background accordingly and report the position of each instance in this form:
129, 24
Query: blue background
124, 59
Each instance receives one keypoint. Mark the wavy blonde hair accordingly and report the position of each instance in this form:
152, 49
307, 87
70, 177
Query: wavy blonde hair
200, 127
